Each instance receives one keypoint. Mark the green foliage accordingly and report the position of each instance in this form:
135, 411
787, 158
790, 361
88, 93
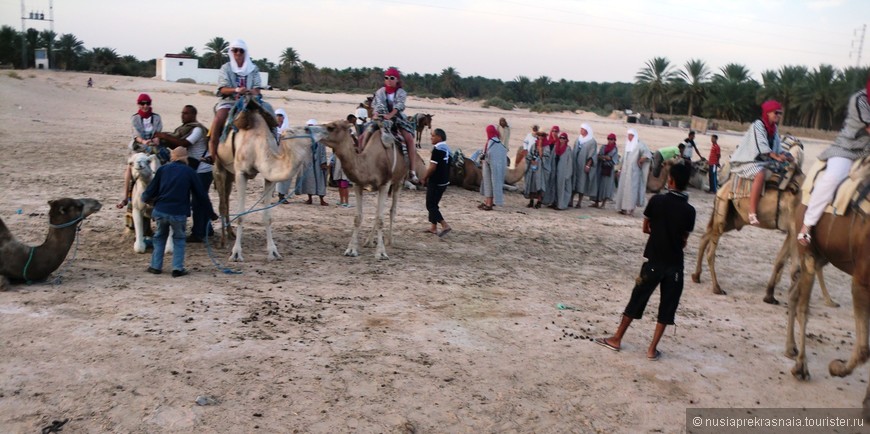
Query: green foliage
498, 103
13, 74
553, 108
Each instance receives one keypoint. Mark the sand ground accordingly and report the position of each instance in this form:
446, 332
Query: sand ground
460, 334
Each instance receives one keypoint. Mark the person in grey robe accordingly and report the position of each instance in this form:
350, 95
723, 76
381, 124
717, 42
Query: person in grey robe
562, 177
494, 168
549, 165
632, 178
605, 164
534, 176
585, 179
312, 181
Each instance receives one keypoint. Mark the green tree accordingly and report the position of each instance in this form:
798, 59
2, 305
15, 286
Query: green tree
653, 82
69, 48
291, 64
522, 89
189, 51
694, 74
733, 94
215, 51
783, 86
450, 82
31, 37
542, 87
10, 46
818, 97
104, 59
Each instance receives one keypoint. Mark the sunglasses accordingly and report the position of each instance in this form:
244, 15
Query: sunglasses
237, 50
778, 112
389, 77
144, 102
611, 140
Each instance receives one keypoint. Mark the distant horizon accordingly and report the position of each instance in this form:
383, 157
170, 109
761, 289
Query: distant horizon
581, 41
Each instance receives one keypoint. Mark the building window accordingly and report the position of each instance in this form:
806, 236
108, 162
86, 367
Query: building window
180, 63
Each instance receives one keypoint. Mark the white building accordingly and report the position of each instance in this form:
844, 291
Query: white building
174, 67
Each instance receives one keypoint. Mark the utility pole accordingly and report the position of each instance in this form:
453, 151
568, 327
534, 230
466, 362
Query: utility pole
860, 42
37, 16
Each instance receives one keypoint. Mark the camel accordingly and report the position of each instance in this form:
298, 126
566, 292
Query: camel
254, 149
143, 167
423, 121
379, 167
22, 263
700, 178
655, 184
843, 241
775, 211
464, 173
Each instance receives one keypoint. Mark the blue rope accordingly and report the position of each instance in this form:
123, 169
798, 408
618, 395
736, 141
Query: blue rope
26, 266
225, 270
59, 279
68, 224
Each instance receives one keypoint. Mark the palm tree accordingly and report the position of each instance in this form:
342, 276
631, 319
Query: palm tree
215, 50
817, 97
694, 73
10, 46
104, 59
654, 80
290, 64
31, 36
542, 87
783, 86
450, 82
189, 51
733, 94
69, 48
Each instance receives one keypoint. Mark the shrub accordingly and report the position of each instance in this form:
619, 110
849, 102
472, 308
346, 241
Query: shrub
498, 103
13, 74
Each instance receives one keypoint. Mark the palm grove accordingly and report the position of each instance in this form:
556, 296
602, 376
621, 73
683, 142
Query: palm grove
812, 97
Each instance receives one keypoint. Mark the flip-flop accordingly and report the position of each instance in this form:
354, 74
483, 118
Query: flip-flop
658, 355
427, 231
603, 343
444, 232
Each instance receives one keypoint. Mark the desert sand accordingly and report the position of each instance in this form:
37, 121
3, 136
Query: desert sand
460, 334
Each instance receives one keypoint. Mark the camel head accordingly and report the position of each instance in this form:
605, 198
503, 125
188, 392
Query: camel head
66, 210
335, 134
143, 166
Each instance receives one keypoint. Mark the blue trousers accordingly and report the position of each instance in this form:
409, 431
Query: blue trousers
200, 210
713, 173
164, 222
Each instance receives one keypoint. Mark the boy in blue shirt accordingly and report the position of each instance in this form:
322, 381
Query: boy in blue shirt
170, 193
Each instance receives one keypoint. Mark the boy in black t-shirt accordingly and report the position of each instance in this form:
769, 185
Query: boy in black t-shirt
436, 180
668, 219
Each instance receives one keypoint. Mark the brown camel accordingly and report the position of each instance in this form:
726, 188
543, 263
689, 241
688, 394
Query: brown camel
22, 263
379, 167
843, 241
423, 120
253, 150
464, 173
775, 211
655, 184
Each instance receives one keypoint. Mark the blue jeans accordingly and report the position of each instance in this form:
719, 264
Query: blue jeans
714, 178
164, 222
200, 210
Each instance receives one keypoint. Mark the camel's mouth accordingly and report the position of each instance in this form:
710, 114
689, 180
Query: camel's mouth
90, 206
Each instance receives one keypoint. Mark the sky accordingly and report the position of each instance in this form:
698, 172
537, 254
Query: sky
594, 40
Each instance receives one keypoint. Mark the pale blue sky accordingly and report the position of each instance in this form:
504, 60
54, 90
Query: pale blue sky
594, 40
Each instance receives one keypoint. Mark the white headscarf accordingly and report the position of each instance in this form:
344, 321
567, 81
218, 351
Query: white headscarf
631, 145
311, 122
246, 67
286, 124
582, 140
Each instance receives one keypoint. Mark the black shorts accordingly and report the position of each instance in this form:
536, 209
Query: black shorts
670, 277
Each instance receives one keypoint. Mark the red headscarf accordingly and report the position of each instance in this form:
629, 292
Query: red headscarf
143, 97
393, 72
561, 147
491, 132
553, 138
608, 148
767, 107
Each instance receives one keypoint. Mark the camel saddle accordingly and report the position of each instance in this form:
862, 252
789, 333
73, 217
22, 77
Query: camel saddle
852, 193
790, 180
239, 115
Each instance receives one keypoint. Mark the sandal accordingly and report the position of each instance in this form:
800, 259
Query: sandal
803, 237
753, 219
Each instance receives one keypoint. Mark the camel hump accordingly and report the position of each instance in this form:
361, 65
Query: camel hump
853, 193
253, 105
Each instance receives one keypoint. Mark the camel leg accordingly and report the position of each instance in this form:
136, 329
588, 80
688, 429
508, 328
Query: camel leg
793, 293
787, 250
828, 300
381, 251
393, 207
702, 249
711, 262
271, 248
800, 303
353, 245
224, 185
139, 228
861, 351
242, 187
